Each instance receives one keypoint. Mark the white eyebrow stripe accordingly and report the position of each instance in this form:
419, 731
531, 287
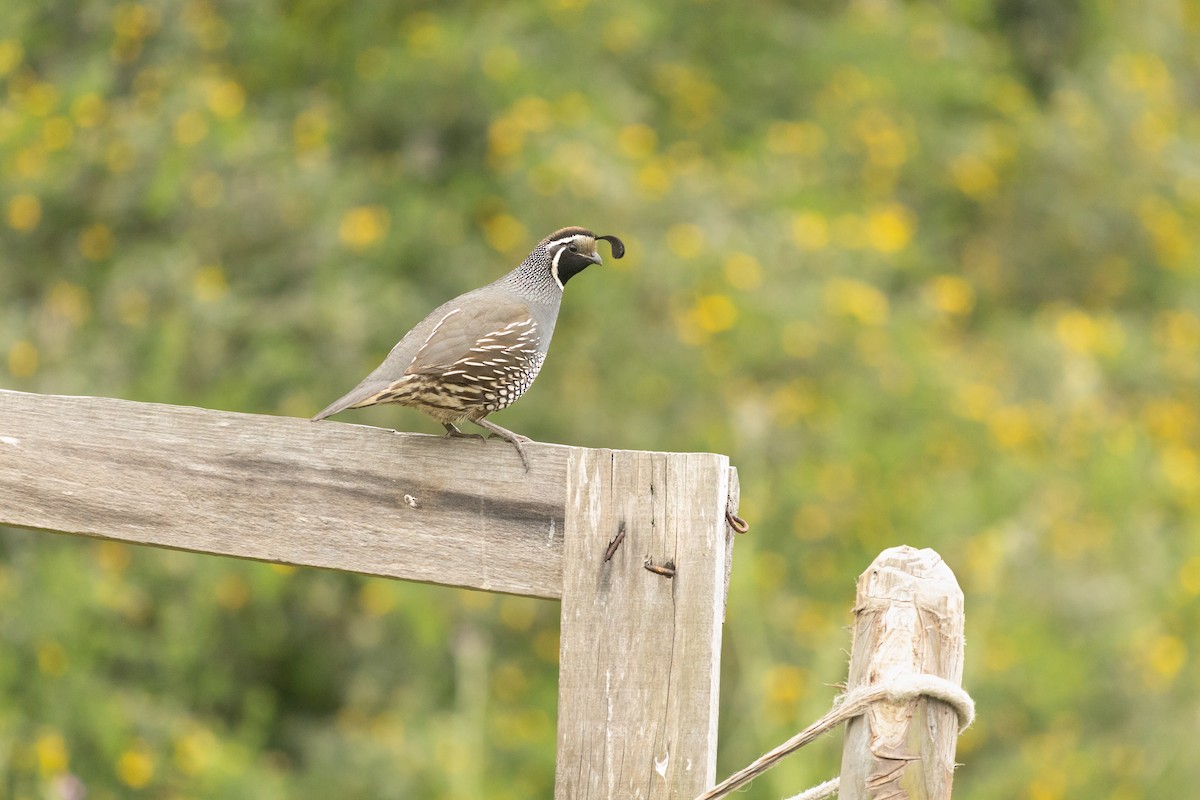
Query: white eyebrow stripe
572, 238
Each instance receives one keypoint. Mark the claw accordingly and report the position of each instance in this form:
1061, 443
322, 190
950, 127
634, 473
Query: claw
515, 439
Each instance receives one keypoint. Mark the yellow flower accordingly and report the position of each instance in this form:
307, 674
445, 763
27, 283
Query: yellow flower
950, 294
39, 98
133, 21
1189, 576
890, 228
654, 180
52, 659
190, 128
69, 301
1181, 467
792, 401
1168, 231
686, 240
532, 113
715, 313
1177, 330
133, 308
1167, 655
856, 299
1081, 332
518, 613
376, 598
501, 63
504, 233
371, 63
743, 271
226, 98
973, 176
209, 284
1010, 427
506, 136
112, 556
135, 768
232, 592
1141, 72
424, 33
620, 34
57, 133
810, 231
195, 751
309, 130
883, 139
637, 141
799, 339
796, 138
363, 226
52, 754
22, 359
96, 242
24, 212
11, 54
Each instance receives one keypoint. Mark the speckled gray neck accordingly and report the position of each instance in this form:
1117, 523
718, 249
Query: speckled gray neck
533, 280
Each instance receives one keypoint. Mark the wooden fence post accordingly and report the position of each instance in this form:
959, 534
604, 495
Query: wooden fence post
635, 544
640, 656
908, 620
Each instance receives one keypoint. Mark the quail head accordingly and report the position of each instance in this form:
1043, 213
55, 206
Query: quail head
480, 351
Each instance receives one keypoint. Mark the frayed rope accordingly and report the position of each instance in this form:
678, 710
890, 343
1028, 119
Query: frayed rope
899, 689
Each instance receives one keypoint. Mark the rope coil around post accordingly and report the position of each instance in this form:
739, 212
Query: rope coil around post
898, 689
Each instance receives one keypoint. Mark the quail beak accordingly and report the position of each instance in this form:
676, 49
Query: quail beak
595, 258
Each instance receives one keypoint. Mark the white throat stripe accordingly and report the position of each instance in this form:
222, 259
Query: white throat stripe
554, 266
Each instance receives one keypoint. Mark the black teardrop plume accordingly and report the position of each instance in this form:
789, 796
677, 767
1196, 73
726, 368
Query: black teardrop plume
618, 247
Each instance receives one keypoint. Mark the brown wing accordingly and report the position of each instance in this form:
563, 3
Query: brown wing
464, 341
483, 359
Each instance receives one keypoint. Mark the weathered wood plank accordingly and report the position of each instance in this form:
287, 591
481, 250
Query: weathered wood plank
909, 620
286, 490
640, 655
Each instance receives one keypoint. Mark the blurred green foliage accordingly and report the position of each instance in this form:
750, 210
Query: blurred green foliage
928, 272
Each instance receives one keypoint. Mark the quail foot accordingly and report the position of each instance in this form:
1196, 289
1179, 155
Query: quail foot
480, 351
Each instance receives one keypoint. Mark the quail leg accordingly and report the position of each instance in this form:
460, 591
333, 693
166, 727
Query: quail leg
452, 432
515, 439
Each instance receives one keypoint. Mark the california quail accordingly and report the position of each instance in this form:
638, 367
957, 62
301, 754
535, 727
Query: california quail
479, 352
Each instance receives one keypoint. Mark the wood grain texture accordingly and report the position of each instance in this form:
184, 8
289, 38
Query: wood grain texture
909, 619
734, 499
640, 655
325, 494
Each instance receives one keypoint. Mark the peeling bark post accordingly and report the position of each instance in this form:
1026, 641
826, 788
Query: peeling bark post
908, 620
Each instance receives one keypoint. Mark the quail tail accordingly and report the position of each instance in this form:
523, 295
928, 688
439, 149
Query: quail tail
350, 400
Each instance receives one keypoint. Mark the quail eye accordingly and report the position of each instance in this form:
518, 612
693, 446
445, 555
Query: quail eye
574, 248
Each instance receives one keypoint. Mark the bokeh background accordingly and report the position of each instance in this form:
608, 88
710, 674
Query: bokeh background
929, 273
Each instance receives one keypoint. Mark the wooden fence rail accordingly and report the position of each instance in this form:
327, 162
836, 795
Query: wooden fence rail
637, 546
640, 653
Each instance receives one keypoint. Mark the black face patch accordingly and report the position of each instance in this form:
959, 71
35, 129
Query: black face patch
571, 254
572, 250
571, 259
